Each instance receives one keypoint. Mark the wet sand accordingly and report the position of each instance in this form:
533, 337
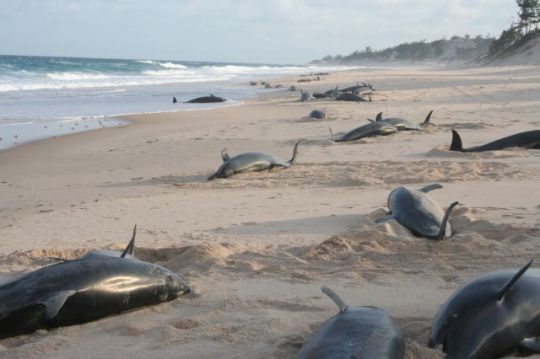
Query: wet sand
257, 247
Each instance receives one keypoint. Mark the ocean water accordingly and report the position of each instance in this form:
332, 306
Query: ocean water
43, 97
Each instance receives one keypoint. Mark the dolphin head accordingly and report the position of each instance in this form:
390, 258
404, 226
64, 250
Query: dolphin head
175, 285
471, 324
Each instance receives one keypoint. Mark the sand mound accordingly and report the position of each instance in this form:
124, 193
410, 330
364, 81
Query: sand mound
361, 174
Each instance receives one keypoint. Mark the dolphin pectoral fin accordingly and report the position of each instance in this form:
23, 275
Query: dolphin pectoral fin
54, 303
444, 223
430, 187
131, 245
513, 280
370, 120
456, 144
530, 345
335, 298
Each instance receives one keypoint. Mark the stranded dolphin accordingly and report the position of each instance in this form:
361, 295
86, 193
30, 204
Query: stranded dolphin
491, 316
416, 210
206, 99
96, 285
367, 130
251, 162
355, 332
403, 124
528, 139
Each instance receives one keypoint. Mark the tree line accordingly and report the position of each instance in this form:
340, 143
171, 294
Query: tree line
520, 31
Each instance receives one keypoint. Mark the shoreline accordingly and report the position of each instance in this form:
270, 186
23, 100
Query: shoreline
256, 247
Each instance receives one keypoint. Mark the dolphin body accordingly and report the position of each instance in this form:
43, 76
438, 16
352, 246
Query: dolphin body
99, 284
367, 130
251, 162
403, 124
493, 315
355, 332
206, 99
347, 96
528, 139
418, 211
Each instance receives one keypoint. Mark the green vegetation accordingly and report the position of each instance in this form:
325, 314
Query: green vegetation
457, 49
520, 32
462, 49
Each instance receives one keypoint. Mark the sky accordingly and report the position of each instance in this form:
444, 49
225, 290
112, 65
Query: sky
255, 31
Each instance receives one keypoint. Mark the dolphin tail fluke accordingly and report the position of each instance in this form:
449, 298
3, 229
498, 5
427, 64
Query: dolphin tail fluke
335, 298
332, 134
456, 144
513, 280
224, 155
292, 161
426, 120
379, 117
131, 245
442, 231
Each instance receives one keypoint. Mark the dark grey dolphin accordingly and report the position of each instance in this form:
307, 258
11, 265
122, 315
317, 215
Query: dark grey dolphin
251, 162
403, 124
305, 96
416, 210
318, 114
493, 315
77, 291
347, 96
528, 139
367, 130
359, 88
355, 332
333, 93
206, 99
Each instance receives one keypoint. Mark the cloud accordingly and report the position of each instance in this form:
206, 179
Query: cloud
285, 31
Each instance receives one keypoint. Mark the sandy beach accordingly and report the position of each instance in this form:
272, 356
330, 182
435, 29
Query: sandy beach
257, 247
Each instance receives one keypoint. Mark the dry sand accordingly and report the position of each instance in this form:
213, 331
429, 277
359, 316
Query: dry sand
257, 247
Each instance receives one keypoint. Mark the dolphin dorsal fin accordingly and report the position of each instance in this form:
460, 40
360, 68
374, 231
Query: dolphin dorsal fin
456, 144
131, 245
335, 298
426, 121
513, 280
224, 155
379, 117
